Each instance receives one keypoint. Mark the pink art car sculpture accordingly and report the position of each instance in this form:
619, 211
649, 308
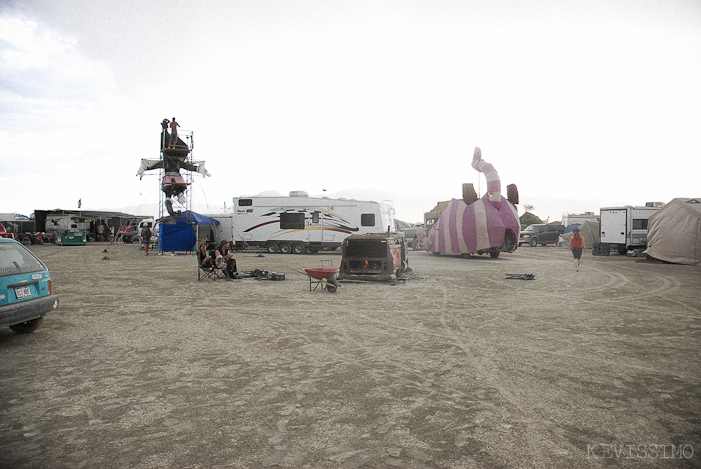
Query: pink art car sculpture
471, 225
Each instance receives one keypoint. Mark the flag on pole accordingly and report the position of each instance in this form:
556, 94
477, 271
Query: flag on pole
80, 202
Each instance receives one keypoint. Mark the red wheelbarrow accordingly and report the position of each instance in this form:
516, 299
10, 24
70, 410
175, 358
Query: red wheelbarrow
326, 277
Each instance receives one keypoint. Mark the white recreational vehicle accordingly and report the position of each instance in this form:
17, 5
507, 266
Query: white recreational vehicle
300, 223
624, 228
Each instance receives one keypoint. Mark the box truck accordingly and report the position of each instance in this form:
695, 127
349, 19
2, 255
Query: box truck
624, 228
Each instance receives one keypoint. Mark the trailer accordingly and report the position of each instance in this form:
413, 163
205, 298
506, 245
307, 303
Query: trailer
624, 228
68, 230
299, 223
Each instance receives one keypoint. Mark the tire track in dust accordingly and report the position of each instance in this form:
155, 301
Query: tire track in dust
615, 280
528, 417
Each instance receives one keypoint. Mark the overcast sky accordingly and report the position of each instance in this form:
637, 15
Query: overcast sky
592, 103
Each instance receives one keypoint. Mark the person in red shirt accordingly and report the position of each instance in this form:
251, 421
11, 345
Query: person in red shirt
577, 245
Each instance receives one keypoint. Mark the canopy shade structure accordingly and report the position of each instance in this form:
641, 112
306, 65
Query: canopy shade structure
179, 233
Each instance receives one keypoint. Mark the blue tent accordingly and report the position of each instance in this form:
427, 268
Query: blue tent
178, 233
571, 228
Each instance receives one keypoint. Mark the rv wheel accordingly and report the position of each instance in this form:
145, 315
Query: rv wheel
271, 247
601, 249
298, 248
285, 248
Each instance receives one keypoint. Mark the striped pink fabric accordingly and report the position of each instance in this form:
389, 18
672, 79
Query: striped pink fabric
463, 229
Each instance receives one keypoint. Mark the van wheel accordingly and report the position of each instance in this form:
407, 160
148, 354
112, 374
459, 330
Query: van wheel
533, 242
494, 254
27, 326
271, 247
285, 248
298, 248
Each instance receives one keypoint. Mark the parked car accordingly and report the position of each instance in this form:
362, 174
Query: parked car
134, 235
129, 233
25, 288
412, 239
541, 234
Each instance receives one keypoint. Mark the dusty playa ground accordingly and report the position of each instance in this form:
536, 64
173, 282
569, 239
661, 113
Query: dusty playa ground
142, 366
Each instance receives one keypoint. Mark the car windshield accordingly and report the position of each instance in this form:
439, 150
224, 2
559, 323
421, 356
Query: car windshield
533, 228
16, 259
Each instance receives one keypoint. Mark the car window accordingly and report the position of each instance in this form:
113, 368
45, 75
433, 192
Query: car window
16, 259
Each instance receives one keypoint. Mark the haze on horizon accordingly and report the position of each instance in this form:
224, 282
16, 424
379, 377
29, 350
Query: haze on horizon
577, 103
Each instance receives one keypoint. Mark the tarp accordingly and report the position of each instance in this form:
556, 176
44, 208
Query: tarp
178, 233
190, 218
176, 238
674, 232
589, 231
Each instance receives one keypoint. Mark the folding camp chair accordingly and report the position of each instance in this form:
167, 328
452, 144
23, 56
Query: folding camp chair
211, 272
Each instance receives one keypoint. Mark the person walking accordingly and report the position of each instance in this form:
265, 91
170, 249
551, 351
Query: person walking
577, 245
146, 237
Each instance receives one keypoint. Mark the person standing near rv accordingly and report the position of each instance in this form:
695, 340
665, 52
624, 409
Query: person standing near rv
577, 245
146, 237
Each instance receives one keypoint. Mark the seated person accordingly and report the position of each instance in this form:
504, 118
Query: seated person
204, 257
225, 261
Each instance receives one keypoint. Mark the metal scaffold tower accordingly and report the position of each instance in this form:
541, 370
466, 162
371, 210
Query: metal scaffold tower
176, 155
175, 197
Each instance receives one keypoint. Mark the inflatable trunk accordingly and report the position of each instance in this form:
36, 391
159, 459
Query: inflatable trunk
486, 225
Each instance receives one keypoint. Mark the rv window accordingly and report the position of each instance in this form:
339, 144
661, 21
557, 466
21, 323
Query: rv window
245, 202
639, 223
367, 219
292, 221
315, 217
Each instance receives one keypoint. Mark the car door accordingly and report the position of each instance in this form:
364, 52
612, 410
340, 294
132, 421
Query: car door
23, 276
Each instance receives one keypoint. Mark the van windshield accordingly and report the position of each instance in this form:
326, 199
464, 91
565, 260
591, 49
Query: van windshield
16, 259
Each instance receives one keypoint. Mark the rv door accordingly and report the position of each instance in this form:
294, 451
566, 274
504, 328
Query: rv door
315, 227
